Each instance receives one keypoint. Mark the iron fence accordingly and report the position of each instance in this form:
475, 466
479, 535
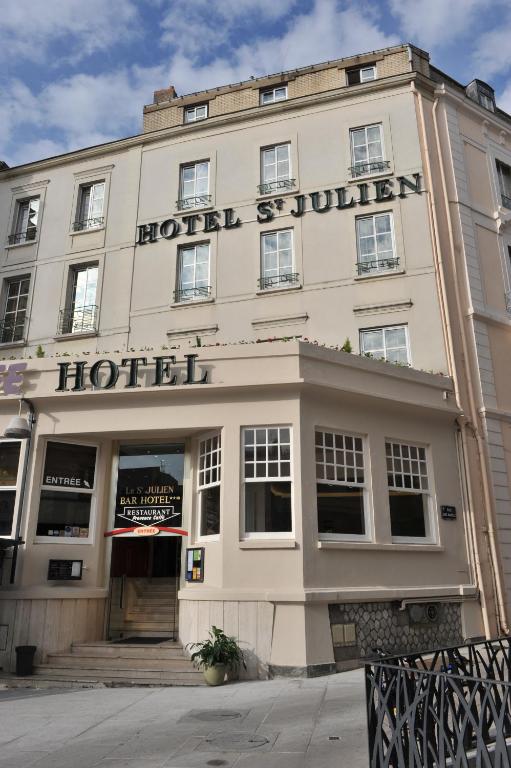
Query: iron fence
450, 707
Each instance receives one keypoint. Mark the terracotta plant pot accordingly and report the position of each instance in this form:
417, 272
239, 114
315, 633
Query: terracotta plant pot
215, 675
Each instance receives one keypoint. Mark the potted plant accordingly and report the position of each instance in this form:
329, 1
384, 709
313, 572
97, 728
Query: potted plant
216, 655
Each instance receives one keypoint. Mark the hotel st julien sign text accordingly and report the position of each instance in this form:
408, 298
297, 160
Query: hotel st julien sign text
340, 198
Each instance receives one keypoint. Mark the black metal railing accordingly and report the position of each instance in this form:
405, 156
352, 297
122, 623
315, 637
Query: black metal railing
78, 320
268, 187
274, 281
377, 265
506, 201
189, 294
92, 223
11, 331
446, 707
23, 237
373, 166
196, 201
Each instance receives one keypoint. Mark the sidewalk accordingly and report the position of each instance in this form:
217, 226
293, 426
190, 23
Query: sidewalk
318, 723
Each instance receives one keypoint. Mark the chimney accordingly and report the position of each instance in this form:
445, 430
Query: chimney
165, 94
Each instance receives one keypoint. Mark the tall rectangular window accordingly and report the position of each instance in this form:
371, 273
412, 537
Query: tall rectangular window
375, 244
270, 95
210, 461
388, 343
276, 168
194, 186
89, 214
10, 469
25, 221
408, 484
504, 176
267, 481
367, 155
16, 299
196, 112
340, 487
80, 314
277, 269
193, 273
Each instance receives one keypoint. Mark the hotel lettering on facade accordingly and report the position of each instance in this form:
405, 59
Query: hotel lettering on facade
173, 309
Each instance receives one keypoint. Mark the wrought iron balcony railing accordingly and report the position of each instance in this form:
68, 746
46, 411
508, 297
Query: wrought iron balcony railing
274, 186
506, 201
275, 281
191, 294
377, 265
11, 330
93, 223
78, 320
374, 166
23, 237
197, 201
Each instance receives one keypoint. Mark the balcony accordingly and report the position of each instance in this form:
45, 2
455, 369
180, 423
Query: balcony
270, 187
23, 237
374, 166
286, 279
11, 331
189, 203
192, 294
94, 223
377, 265
78, 320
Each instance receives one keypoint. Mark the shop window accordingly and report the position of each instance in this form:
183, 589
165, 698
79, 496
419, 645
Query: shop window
10, 470
375, 244
367, 153
361, 74
12, 326
267, 481
271, 95
193, 273
196, 112
276, 169
409, 496
389, 343
81, 312
340, 485
504, 176
210, 460
89, 213
24, 228
194, 186
277, 269
67, 490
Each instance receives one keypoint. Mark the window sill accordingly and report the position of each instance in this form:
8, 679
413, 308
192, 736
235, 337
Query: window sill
380, 275
62, 540
77, 335
8, 246
12, 344
268, 544
192, 302
394, 547
87, 231
271, 291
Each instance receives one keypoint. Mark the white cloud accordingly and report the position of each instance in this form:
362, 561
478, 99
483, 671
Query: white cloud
493, 53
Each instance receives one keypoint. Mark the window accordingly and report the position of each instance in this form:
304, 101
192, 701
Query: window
407, 474
361, 74
277, 260
16, 299
193, 273
210, 460
67, 490
194, 186
271, 95
340, 485
196, 112
389, 343
25, 221
89, 214
80, 315
10, 470
486, 101
267, 475
375, 244
367, 150
504, 175
276, 169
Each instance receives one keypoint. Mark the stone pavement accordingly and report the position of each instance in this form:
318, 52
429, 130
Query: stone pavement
282, 723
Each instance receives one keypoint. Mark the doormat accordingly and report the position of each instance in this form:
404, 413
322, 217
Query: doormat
141, 640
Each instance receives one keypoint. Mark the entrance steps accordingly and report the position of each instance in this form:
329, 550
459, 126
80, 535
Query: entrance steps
147, 607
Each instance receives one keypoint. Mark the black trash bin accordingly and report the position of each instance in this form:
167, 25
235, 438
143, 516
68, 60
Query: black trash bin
25, 660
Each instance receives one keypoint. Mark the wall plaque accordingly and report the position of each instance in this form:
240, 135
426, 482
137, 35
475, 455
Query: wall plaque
65, 570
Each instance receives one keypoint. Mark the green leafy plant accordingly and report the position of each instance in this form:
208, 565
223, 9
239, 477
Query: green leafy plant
39, 352
218, 649
346, 347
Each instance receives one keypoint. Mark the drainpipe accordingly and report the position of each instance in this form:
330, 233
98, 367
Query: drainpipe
31, 422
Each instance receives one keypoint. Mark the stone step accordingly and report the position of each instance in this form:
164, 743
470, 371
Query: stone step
11, 681
149, 616
80, 661
131, 651
169, 677
138, 626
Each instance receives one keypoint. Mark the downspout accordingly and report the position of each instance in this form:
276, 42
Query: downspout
26, 458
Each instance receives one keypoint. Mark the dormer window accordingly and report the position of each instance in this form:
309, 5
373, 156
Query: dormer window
274, 94
361, 74
482, 93
196, 112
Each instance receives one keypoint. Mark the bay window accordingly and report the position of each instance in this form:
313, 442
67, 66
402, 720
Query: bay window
209, 479
409, 494
267, 481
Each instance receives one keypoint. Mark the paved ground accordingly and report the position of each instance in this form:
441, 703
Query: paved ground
317, 723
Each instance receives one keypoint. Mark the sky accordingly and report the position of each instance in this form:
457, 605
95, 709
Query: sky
74, 73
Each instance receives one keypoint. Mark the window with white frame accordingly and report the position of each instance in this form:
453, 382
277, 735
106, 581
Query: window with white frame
375, 244
89, 211
193, 269
340, 485
12, 326
209, 479
277, 269
67, 490
409, 494
367, 153
387, 343
10, 478
194, 186
276, 168
271, 95
504, 176
267, 481
80, 313
195, 112
361, 74
26, 214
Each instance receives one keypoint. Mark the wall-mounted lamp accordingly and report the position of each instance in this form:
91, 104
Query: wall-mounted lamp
21, 426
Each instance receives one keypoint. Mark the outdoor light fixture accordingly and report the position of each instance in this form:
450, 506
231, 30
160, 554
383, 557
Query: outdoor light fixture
20, 426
